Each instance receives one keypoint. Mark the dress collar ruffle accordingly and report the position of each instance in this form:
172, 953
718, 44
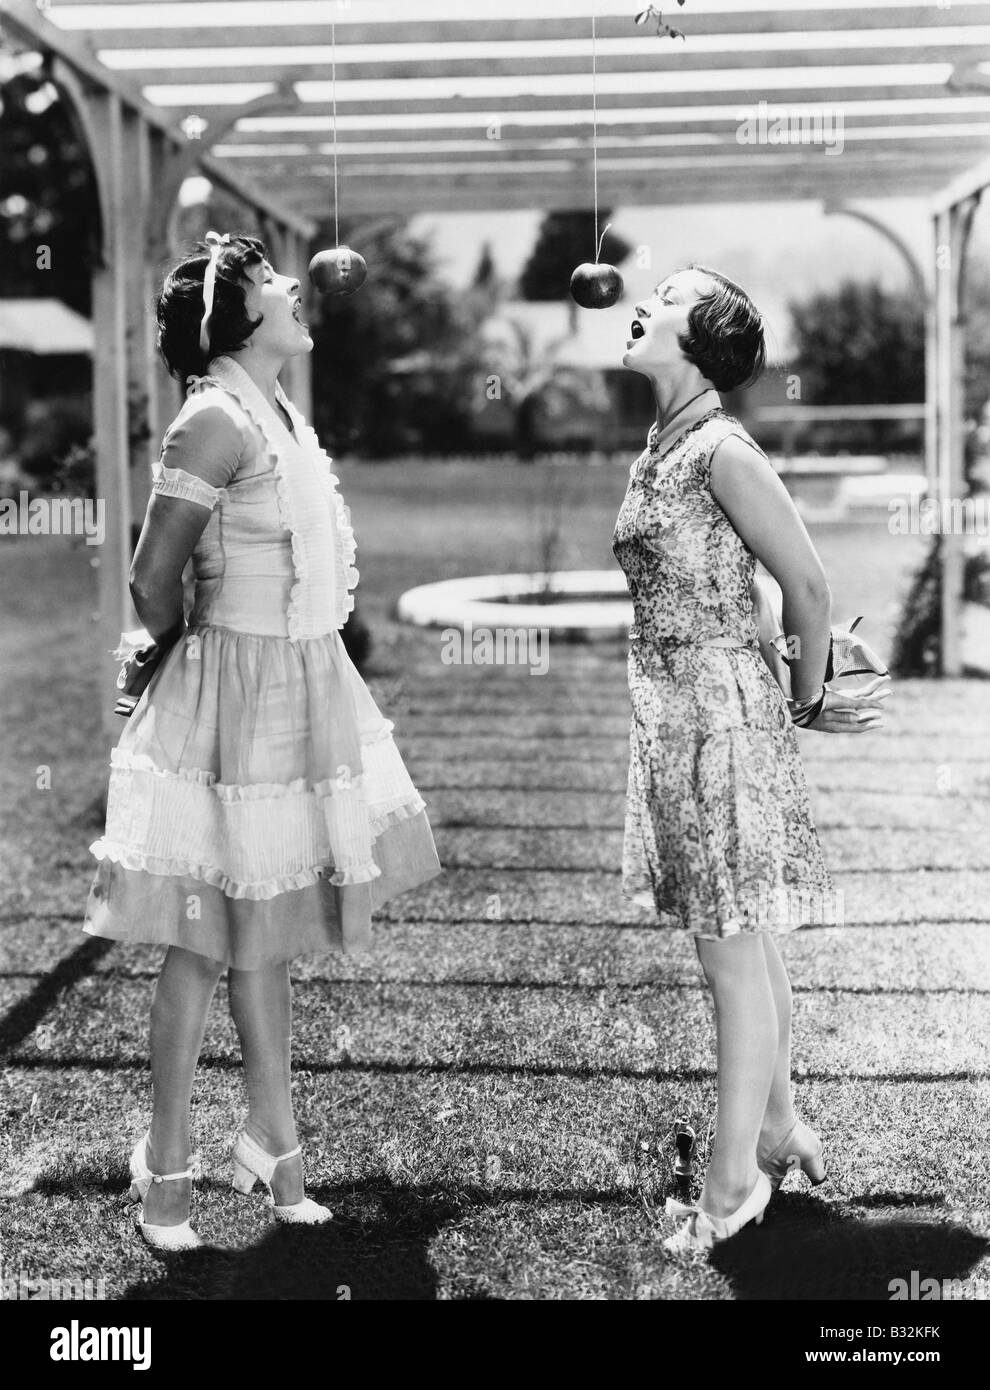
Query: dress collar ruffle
309, 504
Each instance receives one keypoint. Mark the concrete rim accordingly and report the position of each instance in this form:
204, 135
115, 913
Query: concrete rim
475, 602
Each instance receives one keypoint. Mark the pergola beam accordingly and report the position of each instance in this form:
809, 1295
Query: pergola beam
515, 131
351, 30
574, 194
963, 186
306, 69
496, 155
488, 109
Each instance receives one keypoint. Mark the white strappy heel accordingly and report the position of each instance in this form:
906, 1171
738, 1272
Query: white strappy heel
252, 1164
181, 1237
701, 1230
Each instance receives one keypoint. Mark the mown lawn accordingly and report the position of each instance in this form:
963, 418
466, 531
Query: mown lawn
486, 1100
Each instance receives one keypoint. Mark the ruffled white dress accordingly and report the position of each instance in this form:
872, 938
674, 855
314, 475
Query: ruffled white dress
258, 808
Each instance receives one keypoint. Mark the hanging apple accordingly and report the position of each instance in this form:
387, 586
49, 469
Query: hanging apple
596, 285
338, 271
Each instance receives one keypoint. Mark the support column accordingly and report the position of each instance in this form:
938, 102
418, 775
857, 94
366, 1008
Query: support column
110, 425
931, 377
165, 394
952, 228
140, 314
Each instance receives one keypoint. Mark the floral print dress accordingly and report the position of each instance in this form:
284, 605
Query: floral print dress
719, 836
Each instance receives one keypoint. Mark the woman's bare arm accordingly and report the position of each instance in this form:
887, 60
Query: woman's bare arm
172, 526
200, 455
763, 512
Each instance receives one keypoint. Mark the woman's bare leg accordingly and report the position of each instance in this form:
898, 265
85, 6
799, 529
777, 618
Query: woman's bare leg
261, 1006
747, 1038
178, 1021
779, 1118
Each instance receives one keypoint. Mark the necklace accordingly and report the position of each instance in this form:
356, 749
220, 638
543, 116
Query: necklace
648, 465
655, 433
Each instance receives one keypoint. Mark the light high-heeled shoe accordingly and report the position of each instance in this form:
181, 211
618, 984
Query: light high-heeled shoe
181, 1237
252, 1164
701, 1230
801, 1150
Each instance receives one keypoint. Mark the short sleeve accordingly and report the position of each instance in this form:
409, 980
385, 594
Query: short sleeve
200, 454
731, 431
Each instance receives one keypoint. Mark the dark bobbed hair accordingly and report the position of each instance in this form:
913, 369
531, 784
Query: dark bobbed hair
179, 305
725, 336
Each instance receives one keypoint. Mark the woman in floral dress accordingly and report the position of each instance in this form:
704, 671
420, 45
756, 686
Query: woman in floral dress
258, 807
719, 836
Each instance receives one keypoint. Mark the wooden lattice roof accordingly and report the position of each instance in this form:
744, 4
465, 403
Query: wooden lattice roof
486, 104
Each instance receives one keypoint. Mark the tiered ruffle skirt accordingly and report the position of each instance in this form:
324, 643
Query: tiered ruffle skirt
258, 808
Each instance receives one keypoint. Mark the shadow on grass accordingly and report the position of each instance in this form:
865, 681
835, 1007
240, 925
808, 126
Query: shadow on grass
465, 1067
376, 1247
806, 1250
20, 1021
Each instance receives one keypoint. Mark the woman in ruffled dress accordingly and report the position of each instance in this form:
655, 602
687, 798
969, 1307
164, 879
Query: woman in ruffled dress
258, 808
719, 837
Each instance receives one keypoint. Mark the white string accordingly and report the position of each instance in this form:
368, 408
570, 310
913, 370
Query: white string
594, 124
333, 97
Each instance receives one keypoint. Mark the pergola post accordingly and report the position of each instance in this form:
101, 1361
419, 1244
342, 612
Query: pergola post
110, 379
952, 228
164, 394
931, 373
140, 317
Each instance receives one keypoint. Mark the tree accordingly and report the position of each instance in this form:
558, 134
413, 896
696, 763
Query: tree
403, 311
47, 197
534, 377
564, 240
484, 275
859, 345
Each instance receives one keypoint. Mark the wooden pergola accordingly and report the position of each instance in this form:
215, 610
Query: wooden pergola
447, 106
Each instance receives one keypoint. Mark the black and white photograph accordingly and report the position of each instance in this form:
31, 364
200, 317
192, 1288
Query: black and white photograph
494, 658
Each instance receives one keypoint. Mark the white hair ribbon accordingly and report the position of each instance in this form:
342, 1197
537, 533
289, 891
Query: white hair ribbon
215, 241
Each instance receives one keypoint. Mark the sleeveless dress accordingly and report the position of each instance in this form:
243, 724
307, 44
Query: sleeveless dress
719, 836
258, 807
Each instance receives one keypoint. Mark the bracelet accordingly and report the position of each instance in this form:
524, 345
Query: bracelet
805, 712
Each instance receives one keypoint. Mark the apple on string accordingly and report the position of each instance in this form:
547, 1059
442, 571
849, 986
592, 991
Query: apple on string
596, 284
338, 271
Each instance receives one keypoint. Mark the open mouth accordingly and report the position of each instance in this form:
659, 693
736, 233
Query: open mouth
296, 315
637, 330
